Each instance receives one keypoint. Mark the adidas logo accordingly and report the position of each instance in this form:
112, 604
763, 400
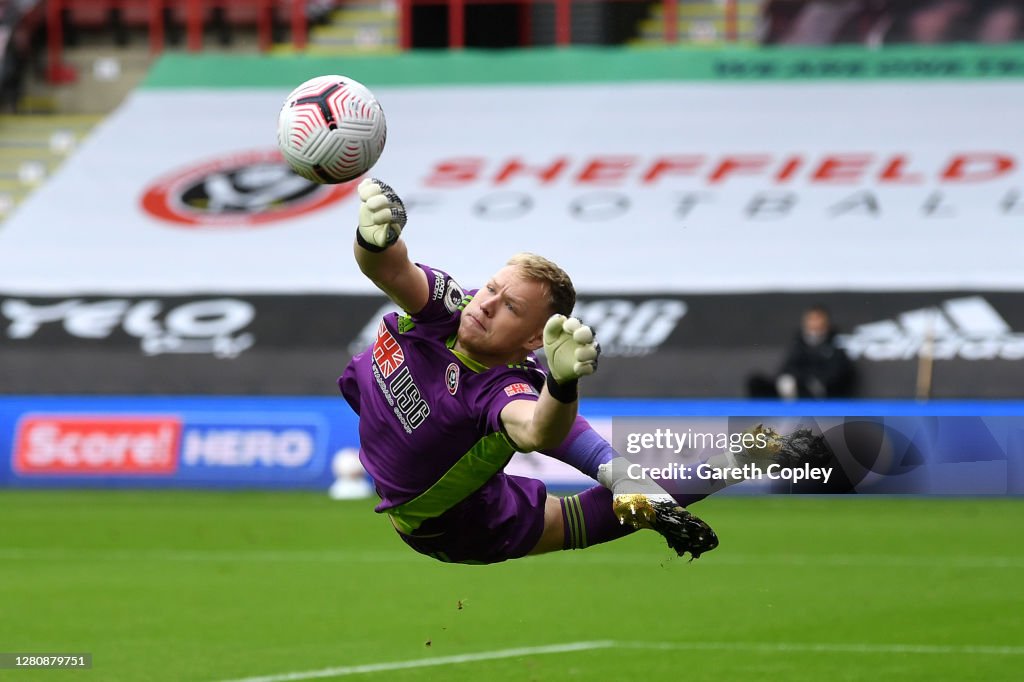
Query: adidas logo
966, 328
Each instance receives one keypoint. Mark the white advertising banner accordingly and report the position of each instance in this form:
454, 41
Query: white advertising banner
634, 187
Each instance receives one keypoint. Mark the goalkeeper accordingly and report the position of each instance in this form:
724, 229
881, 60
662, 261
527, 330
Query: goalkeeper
450, 389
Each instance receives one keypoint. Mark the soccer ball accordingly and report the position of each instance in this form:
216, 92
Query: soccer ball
331, 129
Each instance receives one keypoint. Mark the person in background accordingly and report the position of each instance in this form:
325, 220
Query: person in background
823, 22
1001, 22
814, 366
936, 21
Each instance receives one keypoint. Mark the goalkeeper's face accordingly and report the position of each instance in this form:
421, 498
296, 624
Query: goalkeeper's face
505, 320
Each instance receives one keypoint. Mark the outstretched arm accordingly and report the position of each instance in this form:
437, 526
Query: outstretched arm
380, 252
584, 448
572, 353
540, 424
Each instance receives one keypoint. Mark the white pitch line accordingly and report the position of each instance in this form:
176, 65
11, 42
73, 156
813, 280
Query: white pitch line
838, 648
756, 647
429, 662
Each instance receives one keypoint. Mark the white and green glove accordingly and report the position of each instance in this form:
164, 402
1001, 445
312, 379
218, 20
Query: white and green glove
381, 215
571, 352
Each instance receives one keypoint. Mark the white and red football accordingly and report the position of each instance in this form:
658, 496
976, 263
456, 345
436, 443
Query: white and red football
331, 129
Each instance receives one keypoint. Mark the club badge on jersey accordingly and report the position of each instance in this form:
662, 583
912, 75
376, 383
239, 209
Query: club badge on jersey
451, 378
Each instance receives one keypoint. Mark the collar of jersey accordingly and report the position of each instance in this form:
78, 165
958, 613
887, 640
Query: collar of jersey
465, 359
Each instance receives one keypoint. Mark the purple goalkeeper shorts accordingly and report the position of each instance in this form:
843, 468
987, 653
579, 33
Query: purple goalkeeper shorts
502, 520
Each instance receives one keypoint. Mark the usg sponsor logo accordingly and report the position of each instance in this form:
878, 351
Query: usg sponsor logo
239, 190
249, 446
622, 327
97, 445
410, 406
967, 328
211, 326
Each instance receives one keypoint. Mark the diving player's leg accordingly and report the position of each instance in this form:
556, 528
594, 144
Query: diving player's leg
597, 515
579, 521
504, 519
553, 536
641, 502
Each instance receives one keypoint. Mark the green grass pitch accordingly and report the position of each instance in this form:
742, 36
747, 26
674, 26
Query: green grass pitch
183, 586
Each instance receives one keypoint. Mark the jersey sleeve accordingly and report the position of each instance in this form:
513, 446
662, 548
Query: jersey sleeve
507, 386
446, 296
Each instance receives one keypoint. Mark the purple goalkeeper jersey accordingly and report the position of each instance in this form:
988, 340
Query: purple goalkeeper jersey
430, 430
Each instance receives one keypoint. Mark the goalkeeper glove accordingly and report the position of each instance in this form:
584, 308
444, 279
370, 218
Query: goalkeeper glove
571, 352
381, 215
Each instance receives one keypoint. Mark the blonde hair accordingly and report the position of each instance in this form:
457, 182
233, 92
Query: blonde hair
561, 292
